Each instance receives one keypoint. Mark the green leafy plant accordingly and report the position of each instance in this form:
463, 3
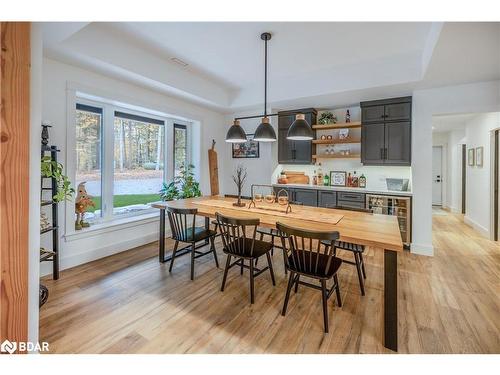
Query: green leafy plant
51, 168
183, 186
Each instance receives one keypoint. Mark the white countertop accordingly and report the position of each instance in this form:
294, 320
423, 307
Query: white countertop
344, 188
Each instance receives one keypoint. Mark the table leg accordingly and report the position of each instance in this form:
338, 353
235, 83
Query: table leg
391, 300
161, 250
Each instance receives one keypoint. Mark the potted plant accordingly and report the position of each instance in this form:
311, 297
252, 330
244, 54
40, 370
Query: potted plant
51, 168
183, 186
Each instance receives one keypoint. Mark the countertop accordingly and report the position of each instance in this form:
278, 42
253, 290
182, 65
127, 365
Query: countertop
344, 188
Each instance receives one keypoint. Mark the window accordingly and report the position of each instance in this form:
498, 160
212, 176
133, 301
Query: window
138, 162
88, 154
120, 153
180, 147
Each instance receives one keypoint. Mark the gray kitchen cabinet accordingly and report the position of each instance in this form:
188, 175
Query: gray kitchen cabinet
327, 198
294, 152
307, 197
351, 199
386, 132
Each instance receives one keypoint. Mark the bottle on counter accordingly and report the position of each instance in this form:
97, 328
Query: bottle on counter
320, 175
315, 178
349, 180
326, 180
362, 181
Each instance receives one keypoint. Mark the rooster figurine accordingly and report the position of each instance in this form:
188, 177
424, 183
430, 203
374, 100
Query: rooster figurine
82, 203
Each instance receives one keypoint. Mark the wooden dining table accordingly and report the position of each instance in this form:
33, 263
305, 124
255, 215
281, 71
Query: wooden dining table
380, 232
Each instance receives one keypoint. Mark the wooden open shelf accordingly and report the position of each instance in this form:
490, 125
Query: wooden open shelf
350, 156
354, 124
335, 141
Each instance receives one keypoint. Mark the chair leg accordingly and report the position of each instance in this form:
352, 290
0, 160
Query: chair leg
337, 290
193, 249
212, 246
241, 265
287, 295
173, 256
272, 249
284, 261
297, 283
228, 262
362, 264
251, 282
270, 264
324, 296
360, 276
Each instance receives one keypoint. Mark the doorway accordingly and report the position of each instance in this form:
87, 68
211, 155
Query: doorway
437, 170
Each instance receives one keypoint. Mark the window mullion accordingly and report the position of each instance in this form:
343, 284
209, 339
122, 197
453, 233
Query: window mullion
108, 162
169, 151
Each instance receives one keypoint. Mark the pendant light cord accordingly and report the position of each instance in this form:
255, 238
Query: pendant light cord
265, 79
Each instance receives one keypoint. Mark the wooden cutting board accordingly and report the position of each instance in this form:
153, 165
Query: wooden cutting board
294, 177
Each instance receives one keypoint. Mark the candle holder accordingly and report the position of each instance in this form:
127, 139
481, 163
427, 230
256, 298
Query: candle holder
272, 201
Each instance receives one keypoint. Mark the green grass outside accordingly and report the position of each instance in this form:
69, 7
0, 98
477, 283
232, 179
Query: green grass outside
126, 200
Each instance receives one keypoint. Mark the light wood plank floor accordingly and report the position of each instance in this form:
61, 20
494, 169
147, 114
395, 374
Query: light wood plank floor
129, 303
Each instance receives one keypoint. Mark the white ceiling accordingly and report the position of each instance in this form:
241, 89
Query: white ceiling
446, 123
324, 64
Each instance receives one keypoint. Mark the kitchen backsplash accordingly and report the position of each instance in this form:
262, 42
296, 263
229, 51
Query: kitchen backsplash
375, 175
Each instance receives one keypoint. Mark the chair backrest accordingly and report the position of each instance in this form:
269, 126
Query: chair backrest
234, 234
181, 226
356, 209
304, 251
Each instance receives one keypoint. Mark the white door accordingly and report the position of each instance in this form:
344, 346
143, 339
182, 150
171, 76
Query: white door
436, 175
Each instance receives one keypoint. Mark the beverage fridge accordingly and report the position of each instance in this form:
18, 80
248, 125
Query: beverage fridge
396, 206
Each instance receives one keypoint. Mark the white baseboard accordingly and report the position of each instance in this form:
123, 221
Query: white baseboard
94, 254
422, 249
482, 230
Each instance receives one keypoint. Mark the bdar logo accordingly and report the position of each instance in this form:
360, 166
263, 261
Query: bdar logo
8, 347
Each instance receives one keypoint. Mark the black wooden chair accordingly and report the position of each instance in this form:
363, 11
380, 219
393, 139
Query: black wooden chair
355, 249
185, 230
306, 257
237, 244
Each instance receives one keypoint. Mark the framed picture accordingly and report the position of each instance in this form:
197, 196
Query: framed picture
249, 149
470, 157
338, 178
479, 156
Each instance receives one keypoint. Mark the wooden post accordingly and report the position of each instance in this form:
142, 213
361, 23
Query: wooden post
214, 170
14, 179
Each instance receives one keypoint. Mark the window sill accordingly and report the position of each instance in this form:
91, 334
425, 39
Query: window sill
109, 226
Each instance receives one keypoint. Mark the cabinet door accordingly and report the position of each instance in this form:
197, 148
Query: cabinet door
372, 144
327, 199
285, 147
308, 197
398, 112
351, 204
372, 114
302, 152
398, 143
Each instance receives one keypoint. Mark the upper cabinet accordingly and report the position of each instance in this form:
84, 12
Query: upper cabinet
386, 132
294, 152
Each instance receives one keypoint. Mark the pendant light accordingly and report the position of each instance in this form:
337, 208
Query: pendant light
236, 134
300, 130
265, 132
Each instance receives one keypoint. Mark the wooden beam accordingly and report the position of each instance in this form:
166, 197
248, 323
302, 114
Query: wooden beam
14, 179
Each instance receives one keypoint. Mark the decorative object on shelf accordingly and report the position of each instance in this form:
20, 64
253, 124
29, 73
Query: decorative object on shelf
347, 117
479, 156
82, 203
343, 134
323, 137
338, 178
182, 187
246, 150
471, 157
44, 221
270, 201
52, 169
329, 137
362, 181
239, 179
327, 118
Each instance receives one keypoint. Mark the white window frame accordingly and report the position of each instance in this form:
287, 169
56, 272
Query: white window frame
107, 155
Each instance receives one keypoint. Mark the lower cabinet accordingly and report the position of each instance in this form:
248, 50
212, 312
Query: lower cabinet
352, 200
308, 197
327, 199
324, 198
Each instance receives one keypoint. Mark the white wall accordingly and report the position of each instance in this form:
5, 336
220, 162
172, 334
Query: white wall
56, 76
468, 98
454, 187
478, 200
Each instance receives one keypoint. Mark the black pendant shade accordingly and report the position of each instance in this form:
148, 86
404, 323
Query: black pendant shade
300, 130
264, 132
236, 134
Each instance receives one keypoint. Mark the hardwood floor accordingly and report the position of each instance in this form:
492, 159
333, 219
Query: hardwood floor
129, 303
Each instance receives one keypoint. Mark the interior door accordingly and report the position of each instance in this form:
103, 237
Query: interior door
437, 193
